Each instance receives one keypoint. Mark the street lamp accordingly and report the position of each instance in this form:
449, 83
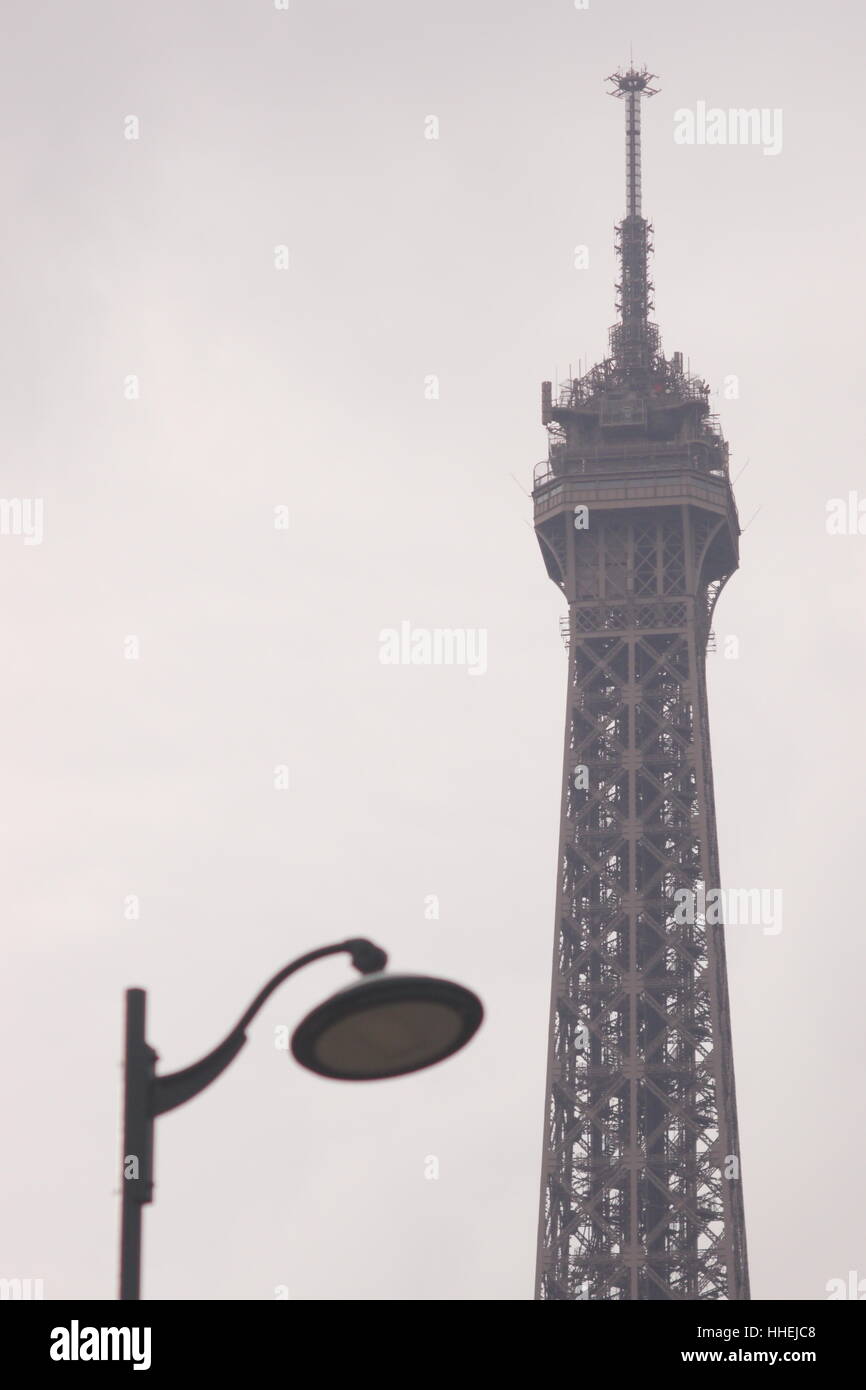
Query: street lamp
380, 1026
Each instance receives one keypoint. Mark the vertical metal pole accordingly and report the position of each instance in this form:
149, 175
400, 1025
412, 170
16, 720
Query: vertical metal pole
136, 1177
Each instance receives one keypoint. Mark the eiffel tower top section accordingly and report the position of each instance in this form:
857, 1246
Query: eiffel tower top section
636, 404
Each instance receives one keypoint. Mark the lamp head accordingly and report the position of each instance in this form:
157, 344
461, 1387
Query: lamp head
387, 1025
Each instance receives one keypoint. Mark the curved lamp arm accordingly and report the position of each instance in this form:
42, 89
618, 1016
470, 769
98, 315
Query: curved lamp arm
167, 1092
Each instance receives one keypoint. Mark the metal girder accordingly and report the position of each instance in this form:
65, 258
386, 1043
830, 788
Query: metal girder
641, 1194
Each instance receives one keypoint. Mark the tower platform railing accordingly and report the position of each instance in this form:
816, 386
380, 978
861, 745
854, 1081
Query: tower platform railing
703, 457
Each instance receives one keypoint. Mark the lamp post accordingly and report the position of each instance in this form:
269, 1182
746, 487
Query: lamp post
380, 1026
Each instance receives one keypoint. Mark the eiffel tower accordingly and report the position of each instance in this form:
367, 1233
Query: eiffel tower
641, 1195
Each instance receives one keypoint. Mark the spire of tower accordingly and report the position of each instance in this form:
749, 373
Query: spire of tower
634, 341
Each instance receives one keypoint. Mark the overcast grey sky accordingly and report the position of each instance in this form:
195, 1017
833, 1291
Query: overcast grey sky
260, 387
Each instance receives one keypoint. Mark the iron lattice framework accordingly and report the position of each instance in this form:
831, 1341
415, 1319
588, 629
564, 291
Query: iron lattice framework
634, 512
